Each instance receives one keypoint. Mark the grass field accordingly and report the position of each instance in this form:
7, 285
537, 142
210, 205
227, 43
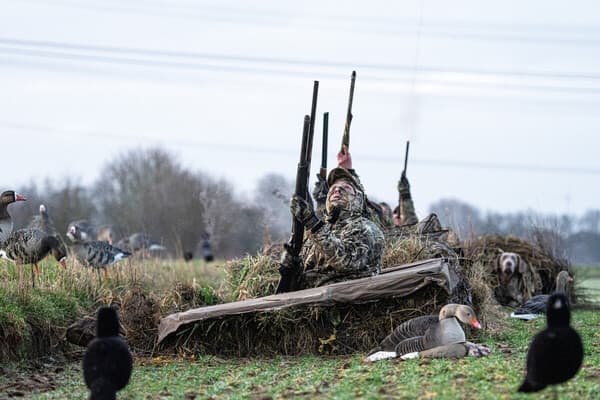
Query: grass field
62, 295
494, 377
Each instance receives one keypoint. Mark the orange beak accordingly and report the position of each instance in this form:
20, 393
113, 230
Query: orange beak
63, 262
18, 197
475, 323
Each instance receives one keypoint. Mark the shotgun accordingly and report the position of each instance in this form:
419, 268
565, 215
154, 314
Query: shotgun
323, 170
290, 274
346, 136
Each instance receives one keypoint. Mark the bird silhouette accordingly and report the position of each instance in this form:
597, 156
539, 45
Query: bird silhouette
107, 363
556, 353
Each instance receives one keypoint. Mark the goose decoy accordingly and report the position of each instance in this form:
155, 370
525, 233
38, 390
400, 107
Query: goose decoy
138, 242
537, 304
30, 246
87, 232
556, 353
43, 222
107, 233
6, 223
94, 254
427, 332
107, 363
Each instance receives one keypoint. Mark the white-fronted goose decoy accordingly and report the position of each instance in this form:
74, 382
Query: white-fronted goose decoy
94, 254
556, 353
108, 233
30, 246
537, 304
139, 241
87, 232
43, 222
427, 332
6, 223
107, 363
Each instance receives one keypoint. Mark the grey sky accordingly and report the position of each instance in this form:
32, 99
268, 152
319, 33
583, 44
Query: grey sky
499, 99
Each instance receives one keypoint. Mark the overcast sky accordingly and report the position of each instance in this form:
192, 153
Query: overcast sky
499, 99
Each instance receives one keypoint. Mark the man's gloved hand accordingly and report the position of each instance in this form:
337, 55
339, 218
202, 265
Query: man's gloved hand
320, 191
303, 211
403, 185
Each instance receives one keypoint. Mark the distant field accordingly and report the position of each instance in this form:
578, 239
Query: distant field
590, 281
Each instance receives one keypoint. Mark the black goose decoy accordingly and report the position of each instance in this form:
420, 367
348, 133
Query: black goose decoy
94, 254
6, 223
427, 332
556, 353
537, 304
107, 363
30, 246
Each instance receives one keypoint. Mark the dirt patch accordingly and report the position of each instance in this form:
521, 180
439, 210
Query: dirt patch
38, 377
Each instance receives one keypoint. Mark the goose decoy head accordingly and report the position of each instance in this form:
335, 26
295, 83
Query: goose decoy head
10, 196
73, 233
42, 209
464, 314
562, 281
107, 323
557, 310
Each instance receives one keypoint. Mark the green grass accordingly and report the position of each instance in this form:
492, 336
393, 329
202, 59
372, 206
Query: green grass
494, 377
32, 320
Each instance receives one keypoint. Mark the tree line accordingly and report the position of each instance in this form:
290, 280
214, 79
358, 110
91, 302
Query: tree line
150, 191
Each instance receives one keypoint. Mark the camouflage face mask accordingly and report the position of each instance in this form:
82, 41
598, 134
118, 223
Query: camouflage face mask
351, 202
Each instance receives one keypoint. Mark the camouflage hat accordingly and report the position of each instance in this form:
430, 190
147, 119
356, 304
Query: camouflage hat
342, 173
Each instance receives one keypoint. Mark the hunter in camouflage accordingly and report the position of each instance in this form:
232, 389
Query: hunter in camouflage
345, 244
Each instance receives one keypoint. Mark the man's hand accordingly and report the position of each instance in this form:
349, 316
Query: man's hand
344, 159
320, 191
303, 211
403, 185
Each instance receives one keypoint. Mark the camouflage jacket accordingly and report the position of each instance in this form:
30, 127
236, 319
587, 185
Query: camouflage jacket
349, 248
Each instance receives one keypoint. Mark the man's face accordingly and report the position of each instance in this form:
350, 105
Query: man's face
340, 194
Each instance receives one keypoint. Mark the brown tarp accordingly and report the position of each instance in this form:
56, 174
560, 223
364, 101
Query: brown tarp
400, 281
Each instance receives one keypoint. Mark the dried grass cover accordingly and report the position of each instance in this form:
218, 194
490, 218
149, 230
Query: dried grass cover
341, 328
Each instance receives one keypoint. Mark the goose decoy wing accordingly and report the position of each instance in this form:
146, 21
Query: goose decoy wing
406, 330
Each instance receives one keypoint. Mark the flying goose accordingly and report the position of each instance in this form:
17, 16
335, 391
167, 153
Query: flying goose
6, 223
556, 353
537, 304
30, 246
427, 332
107, 363
94, 254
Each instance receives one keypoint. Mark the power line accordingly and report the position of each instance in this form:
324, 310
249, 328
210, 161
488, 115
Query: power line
377, 25
368, 158
220, 68
295, 61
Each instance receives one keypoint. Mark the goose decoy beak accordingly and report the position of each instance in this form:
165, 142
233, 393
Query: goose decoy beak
475, 323
18, 197
63, 262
